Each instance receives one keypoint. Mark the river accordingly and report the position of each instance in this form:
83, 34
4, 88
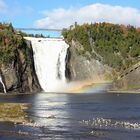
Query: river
60, 116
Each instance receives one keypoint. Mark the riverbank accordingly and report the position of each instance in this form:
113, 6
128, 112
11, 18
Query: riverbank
125, 91
14, 112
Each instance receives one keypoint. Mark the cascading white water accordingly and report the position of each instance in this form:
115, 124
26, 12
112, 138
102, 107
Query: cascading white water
49, 57
3, 85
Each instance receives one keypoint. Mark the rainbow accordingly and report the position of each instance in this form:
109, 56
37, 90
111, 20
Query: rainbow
90, 87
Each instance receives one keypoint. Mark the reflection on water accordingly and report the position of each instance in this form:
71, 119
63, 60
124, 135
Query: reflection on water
48, 111
77, 116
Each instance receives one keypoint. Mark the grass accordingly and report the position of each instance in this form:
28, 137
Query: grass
13, 112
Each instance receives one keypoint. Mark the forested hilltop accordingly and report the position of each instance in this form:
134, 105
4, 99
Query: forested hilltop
9, 43
118, 46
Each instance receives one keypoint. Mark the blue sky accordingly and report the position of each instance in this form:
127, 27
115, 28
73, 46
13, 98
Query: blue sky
63, 13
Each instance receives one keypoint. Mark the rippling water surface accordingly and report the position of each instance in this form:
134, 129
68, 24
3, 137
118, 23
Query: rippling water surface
68, 116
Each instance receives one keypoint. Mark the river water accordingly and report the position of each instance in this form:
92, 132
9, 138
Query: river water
101, 116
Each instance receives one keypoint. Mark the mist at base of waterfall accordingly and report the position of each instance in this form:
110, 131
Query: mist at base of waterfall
80, 87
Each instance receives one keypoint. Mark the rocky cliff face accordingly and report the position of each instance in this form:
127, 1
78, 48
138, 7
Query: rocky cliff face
19, 74
84, 66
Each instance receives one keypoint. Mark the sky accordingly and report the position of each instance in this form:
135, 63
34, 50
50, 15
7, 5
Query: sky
60, 14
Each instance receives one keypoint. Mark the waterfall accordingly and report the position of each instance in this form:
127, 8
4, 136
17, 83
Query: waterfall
50, 65
3, 85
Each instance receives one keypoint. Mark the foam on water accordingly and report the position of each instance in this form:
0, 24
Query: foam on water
109, 123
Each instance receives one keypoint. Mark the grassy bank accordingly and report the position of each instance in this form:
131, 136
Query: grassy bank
13, 112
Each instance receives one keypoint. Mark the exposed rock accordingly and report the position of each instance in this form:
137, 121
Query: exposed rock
9, 77
84, 66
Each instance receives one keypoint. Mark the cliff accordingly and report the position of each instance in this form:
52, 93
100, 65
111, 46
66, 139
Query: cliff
103, 51
85, 67
16, 62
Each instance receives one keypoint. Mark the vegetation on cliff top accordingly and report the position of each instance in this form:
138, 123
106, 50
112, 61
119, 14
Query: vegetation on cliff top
115, 45
10, 41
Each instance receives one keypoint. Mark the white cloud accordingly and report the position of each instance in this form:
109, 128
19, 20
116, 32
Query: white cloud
63, 18
3, 6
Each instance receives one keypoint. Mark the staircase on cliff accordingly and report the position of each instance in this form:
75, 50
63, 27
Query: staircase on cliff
129, 79
130, 70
